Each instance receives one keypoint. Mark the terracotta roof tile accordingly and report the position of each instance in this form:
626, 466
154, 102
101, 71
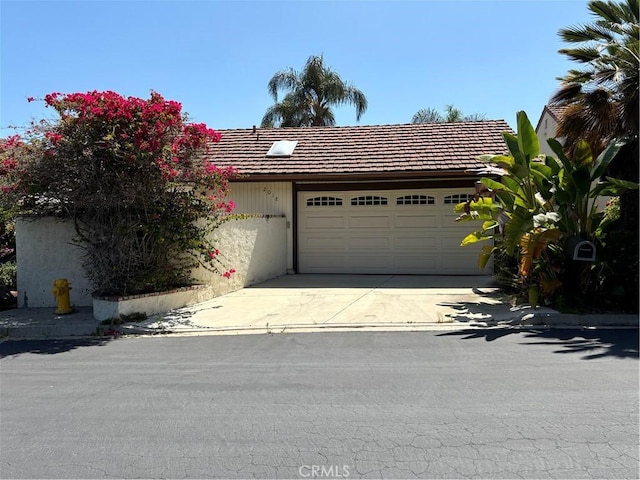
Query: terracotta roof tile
556, 111
362, 149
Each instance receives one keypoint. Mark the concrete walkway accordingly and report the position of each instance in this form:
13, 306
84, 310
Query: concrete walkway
296, 303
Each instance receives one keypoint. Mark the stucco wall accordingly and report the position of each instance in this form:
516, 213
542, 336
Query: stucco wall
254, 247
268, 198
44, 252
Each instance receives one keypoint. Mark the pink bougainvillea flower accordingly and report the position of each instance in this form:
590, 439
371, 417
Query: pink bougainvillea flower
54, 137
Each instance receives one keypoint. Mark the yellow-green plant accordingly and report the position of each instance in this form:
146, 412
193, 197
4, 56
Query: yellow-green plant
537, 201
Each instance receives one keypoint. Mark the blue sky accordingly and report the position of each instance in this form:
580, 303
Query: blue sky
216, 57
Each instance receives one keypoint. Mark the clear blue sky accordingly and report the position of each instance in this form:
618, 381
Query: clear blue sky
216, 57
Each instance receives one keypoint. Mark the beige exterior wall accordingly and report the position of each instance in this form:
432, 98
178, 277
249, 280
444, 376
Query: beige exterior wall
254, 247
267, 198
546, 130
44, 253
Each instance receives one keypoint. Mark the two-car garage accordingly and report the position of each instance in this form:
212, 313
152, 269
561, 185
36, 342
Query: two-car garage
372, 199
384, 231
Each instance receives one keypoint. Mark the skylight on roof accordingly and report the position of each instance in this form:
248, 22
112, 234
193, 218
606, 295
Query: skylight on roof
282, 148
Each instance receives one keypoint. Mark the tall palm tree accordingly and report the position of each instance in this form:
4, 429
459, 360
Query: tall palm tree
452, 114
601, 103
312, 93
601, 99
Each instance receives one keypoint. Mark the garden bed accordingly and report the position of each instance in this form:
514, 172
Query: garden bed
106, 307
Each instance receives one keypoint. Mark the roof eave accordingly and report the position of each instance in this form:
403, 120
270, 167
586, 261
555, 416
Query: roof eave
353, 176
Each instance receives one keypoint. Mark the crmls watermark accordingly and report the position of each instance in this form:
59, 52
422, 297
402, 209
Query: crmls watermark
324, 471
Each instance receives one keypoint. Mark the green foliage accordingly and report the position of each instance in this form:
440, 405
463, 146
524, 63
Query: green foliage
600, 96
537, 203
129, 173
8, 275
311, 94
451, 115
7, 250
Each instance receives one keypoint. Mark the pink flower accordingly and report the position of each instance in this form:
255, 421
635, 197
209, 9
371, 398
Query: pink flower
54, 137
30, 99
229, 206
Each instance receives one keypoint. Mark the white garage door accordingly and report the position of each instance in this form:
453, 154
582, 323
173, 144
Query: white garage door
398, 231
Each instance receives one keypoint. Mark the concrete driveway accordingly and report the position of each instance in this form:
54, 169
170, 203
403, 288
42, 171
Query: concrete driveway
345, 302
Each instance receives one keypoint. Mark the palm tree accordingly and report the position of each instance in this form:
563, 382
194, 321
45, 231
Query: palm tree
452, 114
601, 100
600, 104
311, 95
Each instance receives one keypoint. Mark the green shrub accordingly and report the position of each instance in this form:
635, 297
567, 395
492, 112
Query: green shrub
8, 275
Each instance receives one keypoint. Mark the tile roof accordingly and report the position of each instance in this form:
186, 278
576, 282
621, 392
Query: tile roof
556, 111
376, 149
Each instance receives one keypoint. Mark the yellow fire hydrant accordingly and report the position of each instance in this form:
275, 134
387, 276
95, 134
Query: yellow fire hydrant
60, 292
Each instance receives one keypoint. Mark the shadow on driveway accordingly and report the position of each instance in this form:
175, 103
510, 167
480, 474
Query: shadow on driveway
10, 348
592, 343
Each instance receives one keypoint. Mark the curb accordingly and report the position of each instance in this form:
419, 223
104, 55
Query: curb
544, 319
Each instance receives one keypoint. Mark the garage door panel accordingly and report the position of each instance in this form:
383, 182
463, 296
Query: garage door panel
369, 263
416, 242
325, 222
460, 264
415, 221
449, 221
369, 242
415, 263
320, 263
406, 237
369, 221
326, 243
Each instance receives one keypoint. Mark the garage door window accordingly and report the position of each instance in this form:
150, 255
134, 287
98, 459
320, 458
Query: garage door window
369, 200
457, 198
324, 202
415, 200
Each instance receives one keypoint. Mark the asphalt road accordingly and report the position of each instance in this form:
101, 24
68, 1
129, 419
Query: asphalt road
534, 403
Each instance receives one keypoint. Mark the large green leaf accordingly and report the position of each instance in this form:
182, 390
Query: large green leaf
475, 237
521, 221
492, 184
512, 143
511, 184
485, 255
557, 148
503, 161
489, 225
527, 139
474, 217
623, 183
612, 187
520, 170
553, 163
543, 169
507, 199
605, 158
582, 182
582, 156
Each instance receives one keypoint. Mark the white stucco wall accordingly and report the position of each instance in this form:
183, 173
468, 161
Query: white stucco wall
44, 253
255, 247
268, 198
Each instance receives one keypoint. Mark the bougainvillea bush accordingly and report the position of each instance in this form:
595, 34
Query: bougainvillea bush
129, 174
